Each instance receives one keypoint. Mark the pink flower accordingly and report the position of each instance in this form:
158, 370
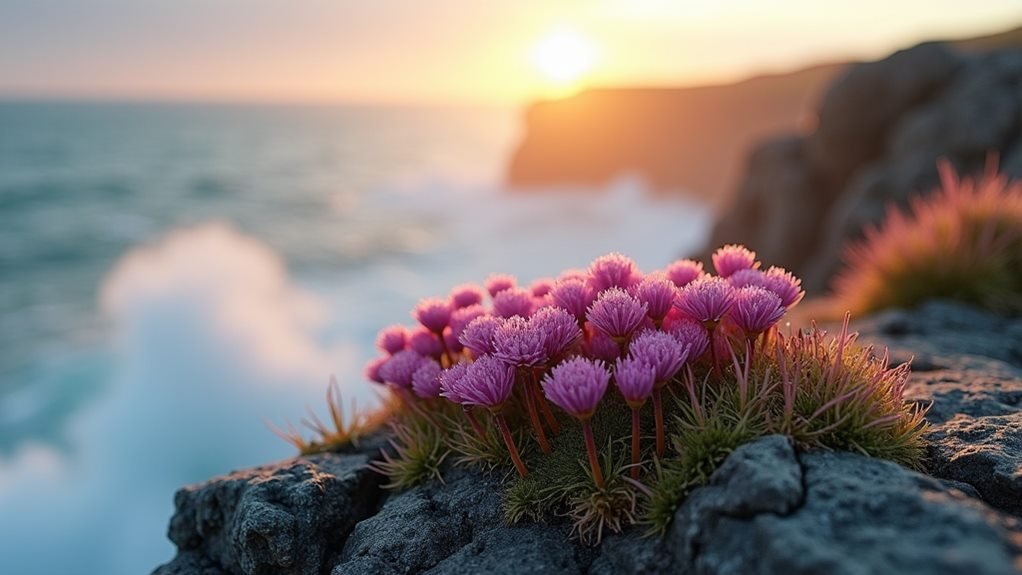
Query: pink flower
785, 285
755, 310
425, 343
634, 379
573, 295
692, 336
577, 385
466, 295
684, 272
660, 350
399, 369
616, 313
541, 287
511, 302
749, 277
613, 270
658, 293
517, 342
425, 380
497, 283
706, 300
391, 339
487, 382
557, 328
450, 380
433, 314
372, 369
478, 334
731, 258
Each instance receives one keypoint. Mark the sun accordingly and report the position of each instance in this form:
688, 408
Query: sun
564, 56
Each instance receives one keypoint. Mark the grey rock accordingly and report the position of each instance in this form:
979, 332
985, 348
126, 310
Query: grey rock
845, 514
974, 383
285, 518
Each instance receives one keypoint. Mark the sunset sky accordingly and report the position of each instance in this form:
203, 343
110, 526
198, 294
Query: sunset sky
453, 51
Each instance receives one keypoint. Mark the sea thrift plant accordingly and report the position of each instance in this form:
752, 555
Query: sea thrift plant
963, 242
576, 372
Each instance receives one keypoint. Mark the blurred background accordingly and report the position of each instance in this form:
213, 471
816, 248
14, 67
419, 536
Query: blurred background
207, 207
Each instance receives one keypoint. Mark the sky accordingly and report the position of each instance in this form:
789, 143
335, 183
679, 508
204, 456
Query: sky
443, 51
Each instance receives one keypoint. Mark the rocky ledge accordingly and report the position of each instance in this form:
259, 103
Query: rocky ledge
769, 508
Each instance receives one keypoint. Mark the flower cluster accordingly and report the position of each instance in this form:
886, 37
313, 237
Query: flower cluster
563, 341
962, 242
534, 376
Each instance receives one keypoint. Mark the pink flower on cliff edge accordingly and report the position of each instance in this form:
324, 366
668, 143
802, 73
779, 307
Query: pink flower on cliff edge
731, 258
466, 295
487, 382
517, 342
497, 283
558, 329
658, 293
478, 334
706, 300
785, 285
755, 310
574, 295
512, 302
577, 385
616, 313
433, 314
613, 270
684, 272
634, 379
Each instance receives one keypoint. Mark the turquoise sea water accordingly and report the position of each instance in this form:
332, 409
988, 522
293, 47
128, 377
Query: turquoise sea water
172, 277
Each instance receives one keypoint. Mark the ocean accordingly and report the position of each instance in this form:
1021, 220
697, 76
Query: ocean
176, 277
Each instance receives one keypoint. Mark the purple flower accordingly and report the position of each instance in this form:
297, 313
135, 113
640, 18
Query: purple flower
731, 258
541, 287
574, 295
497, 283
706, 299
425, 343
756, 310
661, 350
425, 380
450, 380
613, 270
786, 286
391, 339
478, 334
616, 313
684, 272
658, 293
517, 342
692, 336
577, 385
749, 277
558, 328
466, 295
601, 346
634, 379
433, 314
399, 369
487, 382
511, 302
460, 318
372, 369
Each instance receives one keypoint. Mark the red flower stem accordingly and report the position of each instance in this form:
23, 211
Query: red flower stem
510, 443
537, 426
446, 359
635, 442
587, 431
474, 421
713, 350
548, 414
658, 414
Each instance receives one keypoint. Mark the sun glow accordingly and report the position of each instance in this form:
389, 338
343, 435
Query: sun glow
564, 56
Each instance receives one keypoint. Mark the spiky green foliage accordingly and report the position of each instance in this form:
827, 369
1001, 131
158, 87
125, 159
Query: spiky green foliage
963, 242
341, 432
419, 450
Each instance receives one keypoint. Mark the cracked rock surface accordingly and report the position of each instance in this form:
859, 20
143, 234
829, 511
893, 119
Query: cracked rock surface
768, 509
